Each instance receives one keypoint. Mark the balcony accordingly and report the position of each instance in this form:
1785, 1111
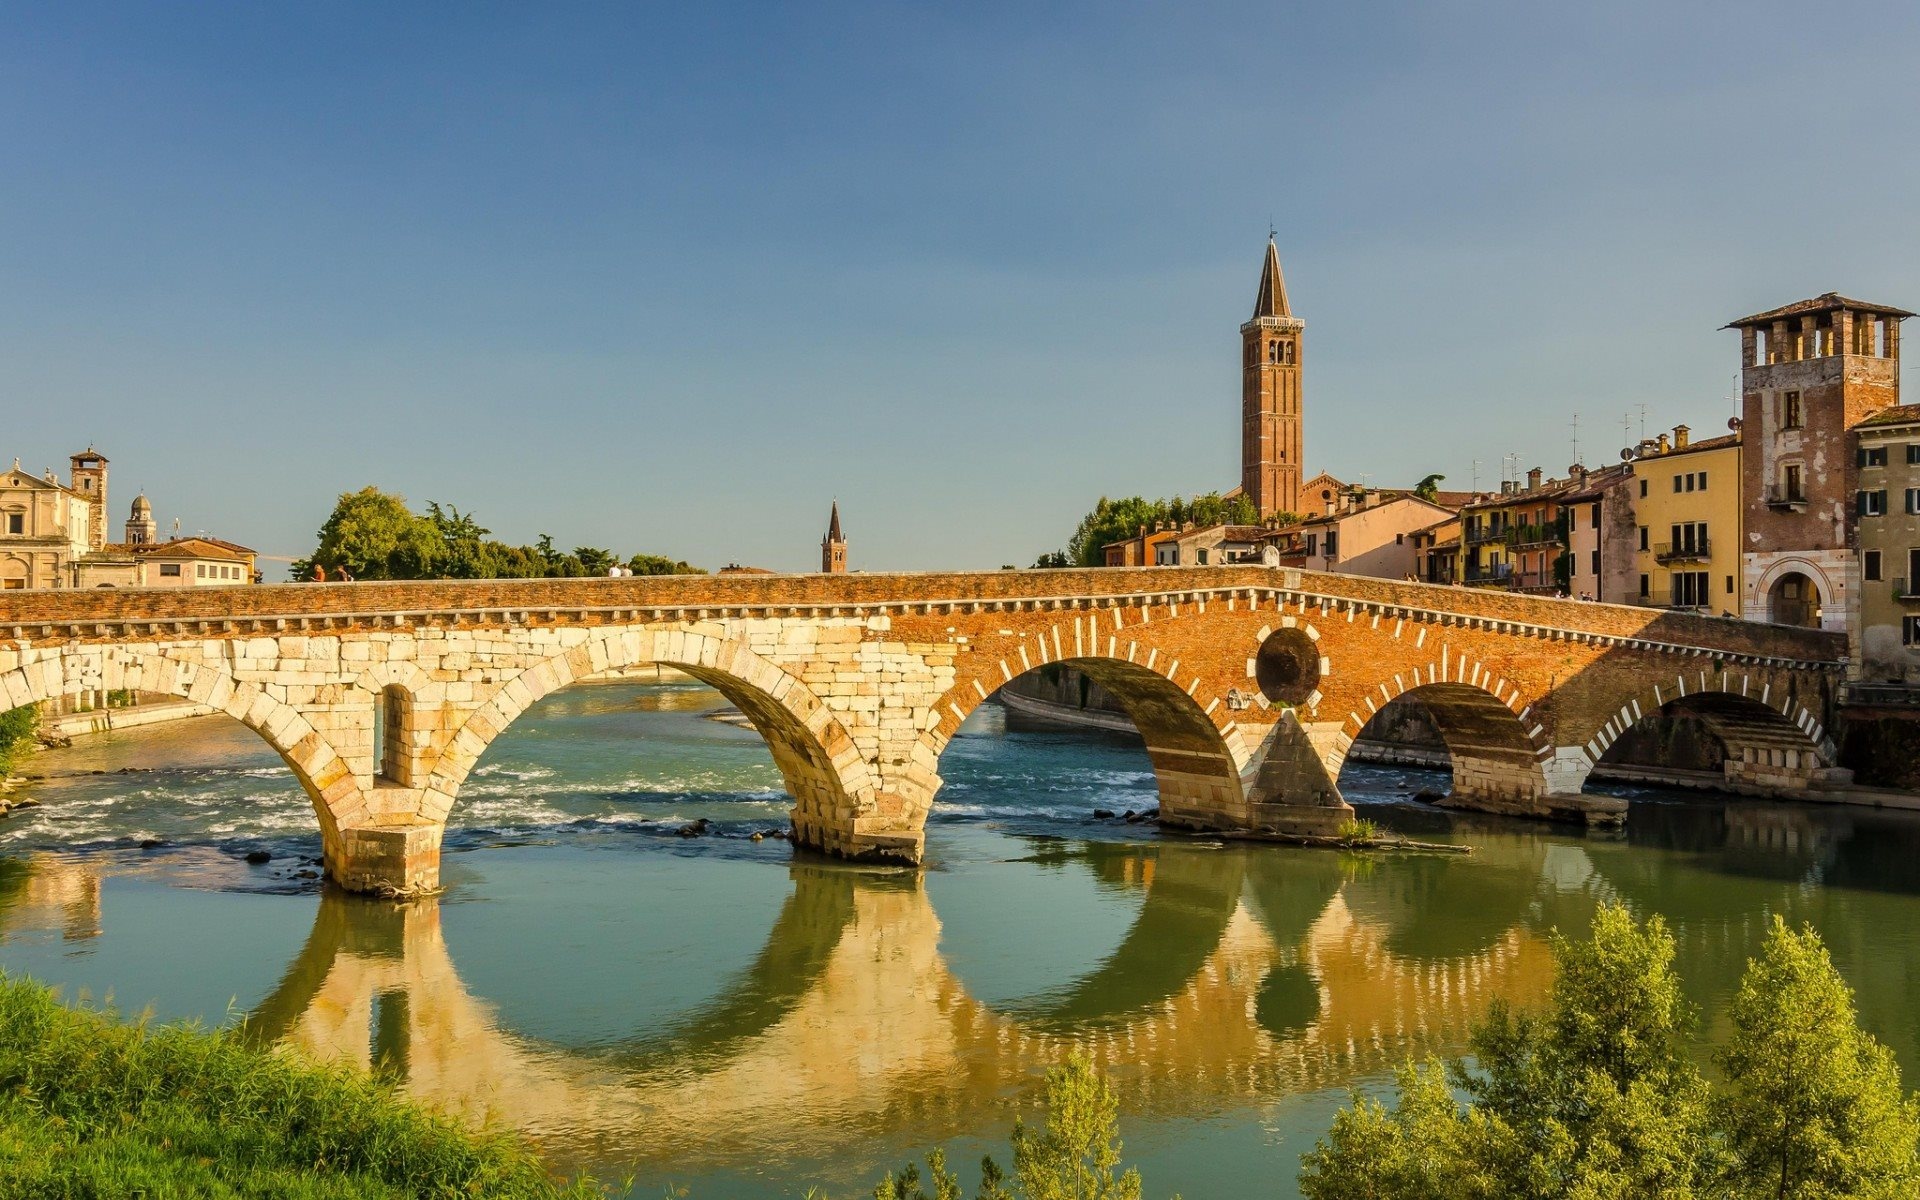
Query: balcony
1477, 535
1497, 573
1788, 498
1697, 550
1904, 589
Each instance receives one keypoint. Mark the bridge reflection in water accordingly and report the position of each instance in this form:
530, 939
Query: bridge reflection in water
1245, 976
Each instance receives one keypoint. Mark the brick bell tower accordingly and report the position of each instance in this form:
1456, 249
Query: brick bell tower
1271, 447
833, 547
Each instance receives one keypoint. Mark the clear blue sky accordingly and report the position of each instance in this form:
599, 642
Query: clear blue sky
670, 277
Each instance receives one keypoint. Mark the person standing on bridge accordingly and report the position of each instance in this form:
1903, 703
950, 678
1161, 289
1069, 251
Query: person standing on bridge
319, 573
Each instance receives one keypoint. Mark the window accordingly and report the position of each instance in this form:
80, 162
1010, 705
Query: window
1913, 500
1729, 585
1596, 516
1703, 480
1913, 570
1910, 631
16, 522
199, 570
1643, 537
1913, 454
1594, 569
1690, 589
1873, 456
1677, 479
170, 570
1313, 544
1870, 565
1790, 415
1200, 556
1643, 489
1645, 589
1333, 543
1791, 483
1689, 537
1871, 504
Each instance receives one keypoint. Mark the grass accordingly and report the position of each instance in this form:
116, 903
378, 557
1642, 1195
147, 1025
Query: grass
93, 1107
1358, 831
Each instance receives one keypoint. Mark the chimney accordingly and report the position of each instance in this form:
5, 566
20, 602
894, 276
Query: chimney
1533, 480
1665, 445
1681, 435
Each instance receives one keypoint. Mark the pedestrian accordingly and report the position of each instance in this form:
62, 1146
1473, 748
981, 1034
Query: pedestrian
341, 575
319, 573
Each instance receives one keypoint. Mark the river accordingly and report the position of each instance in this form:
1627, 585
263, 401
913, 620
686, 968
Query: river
714, 1014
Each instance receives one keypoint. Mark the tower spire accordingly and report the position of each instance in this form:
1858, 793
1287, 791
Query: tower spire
833, 547
1272, 301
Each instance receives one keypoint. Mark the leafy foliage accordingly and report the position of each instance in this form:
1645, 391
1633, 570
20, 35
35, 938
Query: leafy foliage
1428, 489
1115, 520
16, 734
1075, 1156
374, 535
1813, 1106
92, 1107
1596, 1099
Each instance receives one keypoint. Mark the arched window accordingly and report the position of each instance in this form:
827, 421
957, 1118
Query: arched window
390, 730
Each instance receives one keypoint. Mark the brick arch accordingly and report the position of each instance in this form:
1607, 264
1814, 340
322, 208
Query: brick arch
322, 772
1495, 749
1202, 759
834, 788
1769, 735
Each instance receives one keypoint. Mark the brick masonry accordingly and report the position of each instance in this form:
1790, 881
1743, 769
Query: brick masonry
859, 681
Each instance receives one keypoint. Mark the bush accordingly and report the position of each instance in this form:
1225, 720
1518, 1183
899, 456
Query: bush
16, 735
1358, 830
93, 1107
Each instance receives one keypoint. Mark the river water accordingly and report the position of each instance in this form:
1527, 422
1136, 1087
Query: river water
717, 1015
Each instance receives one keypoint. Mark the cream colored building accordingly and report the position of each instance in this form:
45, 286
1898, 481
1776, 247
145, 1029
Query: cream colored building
1373, 535
45, 528
1886, 643
1690, 519
54, 535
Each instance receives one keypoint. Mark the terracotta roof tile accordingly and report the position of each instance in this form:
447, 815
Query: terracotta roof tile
1825, 302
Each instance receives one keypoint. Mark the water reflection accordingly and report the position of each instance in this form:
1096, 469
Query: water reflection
843, 1021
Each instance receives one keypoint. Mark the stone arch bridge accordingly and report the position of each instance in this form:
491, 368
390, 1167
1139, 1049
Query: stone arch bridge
1248, 684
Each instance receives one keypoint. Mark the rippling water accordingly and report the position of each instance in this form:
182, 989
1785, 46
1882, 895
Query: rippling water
718, 1014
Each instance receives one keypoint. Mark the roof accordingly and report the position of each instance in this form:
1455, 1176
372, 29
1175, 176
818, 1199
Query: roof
833, 525
1409, 497
737, 569
1230, 533
1899, 414
32, 480
1272, 300
1824, 302
1724, 442
194, 547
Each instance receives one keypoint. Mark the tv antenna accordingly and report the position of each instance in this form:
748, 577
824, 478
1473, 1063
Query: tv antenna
1576, 437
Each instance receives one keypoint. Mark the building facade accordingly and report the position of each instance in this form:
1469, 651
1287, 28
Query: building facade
1602, 535
1373, 536
1810, 373
54, 535
1690, 523
1886, 640
1271, 443
1517, 539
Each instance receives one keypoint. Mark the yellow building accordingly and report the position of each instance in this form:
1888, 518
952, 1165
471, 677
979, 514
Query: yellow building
1688, 506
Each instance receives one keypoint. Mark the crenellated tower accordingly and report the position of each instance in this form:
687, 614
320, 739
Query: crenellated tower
1271, 446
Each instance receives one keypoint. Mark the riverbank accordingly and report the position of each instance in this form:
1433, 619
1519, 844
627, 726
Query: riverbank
93, 1106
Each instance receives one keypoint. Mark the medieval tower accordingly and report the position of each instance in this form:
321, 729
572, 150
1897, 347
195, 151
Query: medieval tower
833, 547
90, 480
1270, 441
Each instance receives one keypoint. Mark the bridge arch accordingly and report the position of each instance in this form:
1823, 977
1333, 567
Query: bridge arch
1773, 744
323, 774
1498, 759
833, 787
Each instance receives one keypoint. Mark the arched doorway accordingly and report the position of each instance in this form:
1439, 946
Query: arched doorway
1794, 599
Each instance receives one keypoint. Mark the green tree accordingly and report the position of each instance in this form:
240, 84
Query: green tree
654, 564
463, 551
1428, 489
1813, 1108
375, 536
593, 561
1594, 1100
1074, 1157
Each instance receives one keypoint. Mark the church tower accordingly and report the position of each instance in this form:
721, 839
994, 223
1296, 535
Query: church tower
90, 480
140, 527
833, 547
1270, 441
